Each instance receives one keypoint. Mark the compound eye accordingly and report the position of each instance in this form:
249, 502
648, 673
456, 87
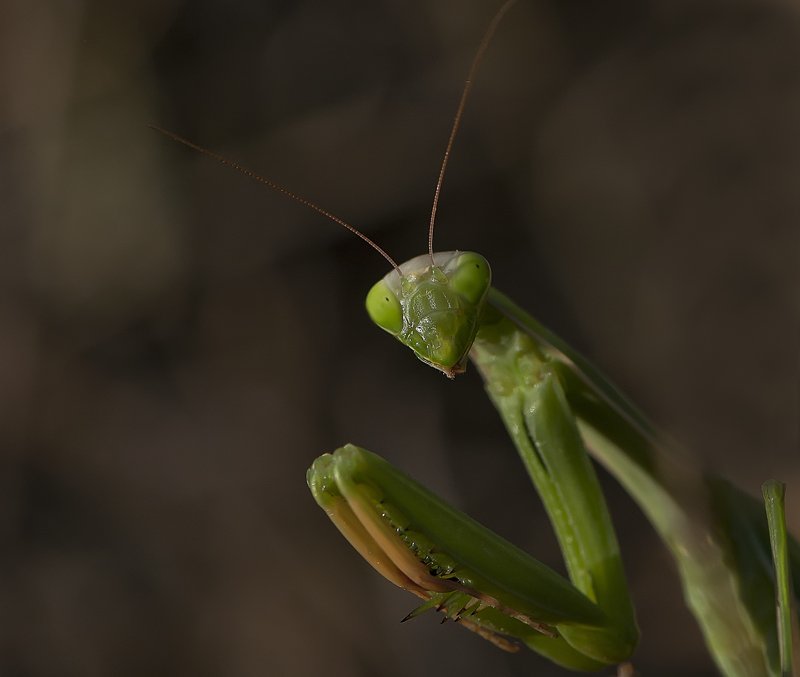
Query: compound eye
471, 277
384, 308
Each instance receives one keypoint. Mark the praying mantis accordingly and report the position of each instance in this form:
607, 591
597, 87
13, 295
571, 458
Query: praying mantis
556, 407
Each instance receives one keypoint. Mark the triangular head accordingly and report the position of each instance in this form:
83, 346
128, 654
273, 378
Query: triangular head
433, 306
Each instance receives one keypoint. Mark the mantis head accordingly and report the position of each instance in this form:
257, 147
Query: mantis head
432, 305
433, 302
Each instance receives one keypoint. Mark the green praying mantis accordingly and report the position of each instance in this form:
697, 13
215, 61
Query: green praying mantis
735, 564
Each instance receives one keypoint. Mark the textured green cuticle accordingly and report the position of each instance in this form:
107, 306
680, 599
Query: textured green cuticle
438, 564
393, 516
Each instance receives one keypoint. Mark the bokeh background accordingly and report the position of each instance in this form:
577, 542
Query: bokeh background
177, 343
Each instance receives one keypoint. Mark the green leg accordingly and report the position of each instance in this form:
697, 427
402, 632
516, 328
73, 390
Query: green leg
526, 391
716, 533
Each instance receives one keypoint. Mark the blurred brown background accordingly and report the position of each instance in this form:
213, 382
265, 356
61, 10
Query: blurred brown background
177, 343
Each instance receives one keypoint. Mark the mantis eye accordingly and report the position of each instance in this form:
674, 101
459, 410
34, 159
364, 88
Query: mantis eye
471, 276
384, 308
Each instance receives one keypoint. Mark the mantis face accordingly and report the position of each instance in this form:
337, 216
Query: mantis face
434, 307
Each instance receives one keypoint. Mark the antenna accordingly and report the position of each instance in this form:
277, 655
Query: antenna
280, 189
487, 38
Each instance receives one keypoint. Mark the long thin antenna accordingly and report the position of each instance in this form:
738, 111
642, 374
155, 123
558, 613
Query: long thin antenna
487, 38
277, 187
